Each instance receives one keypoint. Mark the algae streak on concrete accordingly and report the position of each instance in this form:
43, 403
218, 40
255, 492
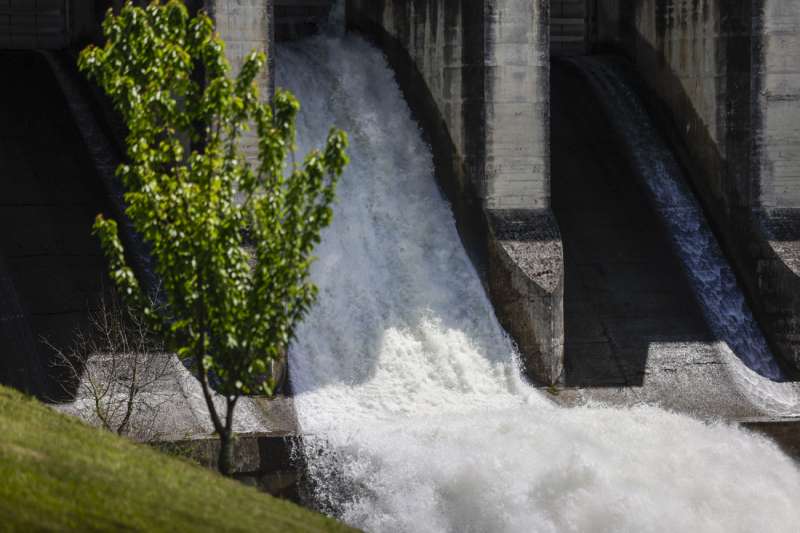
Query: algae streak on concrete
726, 83
476, 75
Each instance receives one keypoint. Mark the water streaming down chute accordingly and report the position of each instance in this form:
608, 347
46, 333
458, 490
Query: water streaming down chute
750, 371
409, 391
709, 272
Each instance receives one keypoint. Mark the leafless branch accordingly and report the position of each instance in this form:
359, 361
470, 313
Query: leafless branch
119, 366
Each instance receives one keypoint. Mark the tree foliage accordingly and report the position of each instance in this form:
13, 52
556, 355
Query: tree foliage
231, 238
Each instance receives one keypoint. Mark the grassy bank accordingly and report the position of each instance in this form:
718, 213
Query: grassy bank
56, 473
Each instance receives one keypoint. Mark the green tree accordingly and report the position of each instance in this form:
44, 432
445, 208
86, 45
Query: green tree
231, 240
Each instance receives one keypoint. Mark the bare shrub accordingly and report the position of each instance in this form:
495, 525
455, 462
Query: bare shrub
121, 370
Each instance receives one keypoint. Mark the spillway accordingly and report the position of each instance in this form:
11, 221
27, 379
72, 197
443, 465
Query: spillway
409, 392
652, 308
709, 272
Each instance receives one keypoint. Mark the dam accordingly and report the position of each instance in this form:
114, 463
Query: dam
413, 408
525, 267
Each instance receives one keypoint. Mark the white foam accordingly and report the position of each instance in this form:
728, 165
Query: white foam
411, 389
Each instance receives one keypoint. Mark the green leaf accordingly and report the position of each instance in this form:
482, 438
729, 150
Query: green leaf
231, 240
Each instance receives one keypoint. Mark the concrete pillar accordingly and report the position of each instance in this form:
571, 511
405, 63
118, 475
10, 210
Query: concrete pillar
486, 67
246, 25
516, 95
778, 103
775, 169
43, 24
569, 31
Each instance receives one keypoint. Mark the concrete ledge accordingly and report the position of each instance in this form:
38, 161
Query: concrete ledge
526, 284
776, 244
785, 432
262, 460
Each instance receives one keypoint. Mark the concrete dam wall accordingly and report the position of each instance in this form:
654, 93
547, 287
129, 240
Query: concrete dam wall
403, 363
52, 270
721, 80
726, 78
477, 76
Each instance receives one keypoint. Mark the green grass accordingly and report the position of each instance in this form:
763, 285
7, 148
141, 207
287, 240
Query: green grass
59, 474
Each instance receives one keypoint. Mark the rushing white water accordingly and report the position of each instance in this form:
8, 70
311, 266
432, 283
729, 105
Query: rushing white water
409, 390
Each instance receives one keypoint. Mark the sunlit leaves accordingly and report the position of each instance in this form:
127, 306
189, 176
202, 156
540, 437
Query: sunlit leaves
231, 237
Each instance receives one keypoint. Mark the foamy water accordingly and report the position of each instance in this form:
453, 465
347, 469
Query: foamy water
410, 391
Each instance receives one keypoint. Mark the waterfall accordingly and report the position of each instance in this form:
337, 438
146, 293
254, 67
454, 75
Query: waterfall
409, 392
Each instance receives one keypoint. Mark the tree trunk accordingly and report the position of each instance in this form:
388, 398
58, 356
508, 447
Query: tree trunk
225, 460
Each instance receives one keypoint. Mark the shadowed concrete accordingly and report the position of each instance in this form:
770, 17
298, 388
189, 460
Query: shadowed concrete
52, 269
634, 331
624, 286
725, 84
299, 18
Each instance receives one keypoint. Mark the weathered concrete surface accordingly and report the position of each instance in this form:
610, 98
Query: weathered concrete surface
266, 436
246, 25
49, 195
526, 284
569, 28
776, 71
727, 83
476, 75
20, 366
485, 65
263, 460
49, 24
28, 25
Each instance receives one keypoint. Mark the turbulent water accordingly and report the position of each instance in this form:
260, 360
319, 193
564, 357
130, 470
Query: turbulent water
409, 390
